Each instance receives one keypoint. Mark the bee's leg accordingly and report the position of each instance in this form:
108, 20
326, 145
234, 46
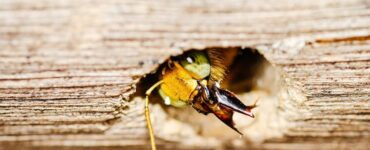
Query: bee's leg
197, 102
147, 114
225, 114
200, 108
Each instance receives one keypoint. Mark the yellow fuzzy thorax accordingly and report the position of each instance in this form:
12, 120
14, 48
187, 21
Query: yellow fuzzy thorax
178, 85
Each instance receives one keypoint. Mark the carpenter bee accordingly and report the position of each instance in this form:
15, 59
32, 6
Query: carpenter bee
194, 79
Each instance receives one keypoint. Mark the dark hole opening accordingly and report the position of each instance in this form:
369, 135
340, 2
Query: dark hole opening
242, 75
248, 72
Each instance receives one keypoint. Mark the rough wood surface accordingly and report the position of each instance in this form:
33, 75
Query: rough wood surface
68, 68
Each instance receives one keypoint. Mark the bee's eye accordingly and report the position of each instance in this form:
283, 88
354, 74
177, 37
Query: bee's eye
190, 59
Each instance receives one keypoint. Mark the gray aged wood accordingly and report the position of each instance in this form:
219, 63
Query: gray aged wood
68, 68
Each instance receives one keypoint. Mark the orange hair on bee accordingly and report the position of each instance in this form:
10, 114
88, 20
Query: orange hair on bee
220, 60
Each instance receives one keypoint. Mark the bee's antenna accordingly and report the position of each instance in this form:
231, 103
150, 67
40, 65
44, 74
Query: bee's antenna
147, 114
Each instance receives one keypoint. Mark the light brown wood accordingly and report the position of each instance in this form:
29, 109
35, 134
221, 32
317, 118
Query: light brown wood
68, 70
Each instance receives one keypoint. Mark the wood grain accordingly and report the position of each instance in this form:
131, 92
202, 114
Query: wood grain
68, 68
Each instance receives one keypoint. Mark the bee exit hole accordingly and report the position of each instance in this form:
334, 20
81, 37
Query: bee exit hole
250, 76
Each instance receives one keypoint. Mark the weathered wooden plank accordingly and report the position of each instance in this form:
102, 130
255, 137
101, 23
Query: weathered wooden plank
68, 70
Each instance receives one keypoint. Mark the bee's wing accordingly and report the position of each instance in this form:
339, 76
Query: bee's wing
220, 60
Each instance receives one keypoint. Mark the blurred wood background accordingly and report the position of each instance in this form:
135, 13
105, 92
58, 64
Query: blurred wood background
68, 68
